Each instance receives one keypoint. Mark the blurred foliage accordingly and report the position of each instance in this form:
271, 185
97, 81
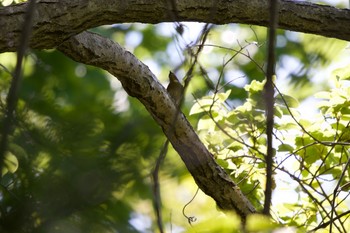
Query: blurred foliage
81, 151
78, 158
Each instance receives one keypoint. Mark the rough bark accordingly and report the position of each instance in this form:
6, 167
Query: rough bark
57, 20
141, 83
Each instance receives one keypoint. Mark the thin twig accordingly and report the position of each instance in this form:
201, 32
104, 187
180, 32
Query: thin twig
157, 201
324, 225
336, 189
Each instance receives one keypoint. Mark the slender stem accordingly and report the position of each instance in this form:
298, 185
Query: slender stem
269, 97
12, 97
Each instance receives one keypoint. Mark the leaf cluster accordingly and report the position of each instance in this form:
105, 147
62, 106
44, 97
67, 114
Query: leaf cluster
310, 154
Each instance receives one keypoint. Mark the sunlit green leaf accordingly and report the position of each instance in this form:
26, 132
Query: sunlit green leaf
205, 123
287, 100
323, 95
223, 96
254, 86
11, 163
258, 222
207, 105
342, 73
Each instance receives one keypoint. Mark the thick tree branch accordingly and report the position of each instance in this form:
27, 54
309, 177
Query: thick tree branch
140, 82
57, 20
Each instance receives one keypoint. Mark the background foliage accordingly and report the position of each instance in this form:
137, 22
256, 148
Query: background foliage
81, 151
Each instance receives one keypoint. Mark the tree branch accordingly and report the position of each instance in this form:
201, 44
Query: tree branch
55, 21
141, 83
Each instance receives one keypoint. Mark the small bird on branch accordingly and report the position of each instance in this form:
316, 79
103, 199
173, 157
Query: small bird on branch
175, 88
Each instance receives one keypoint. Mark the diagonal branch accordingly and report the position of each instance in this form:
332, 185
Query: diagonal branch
141, 83
57, 20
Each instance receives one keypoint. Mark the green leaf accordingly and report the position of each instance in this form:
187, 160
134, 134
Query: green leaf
323, 95
285, 147
199, 106
223, 96
258, 222
342, 73
223, 163
345, 135
207, 104
11, 163
278, 112
289, 100
314, 153
205, 123
18, 151
337, 100
255, 86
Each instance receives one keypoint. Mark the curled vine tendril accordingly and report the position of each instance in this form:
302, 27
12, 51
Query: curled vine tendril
190, 219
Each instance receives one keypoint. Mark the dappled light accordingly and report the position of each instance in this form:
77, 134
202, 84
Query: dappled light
160, 124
